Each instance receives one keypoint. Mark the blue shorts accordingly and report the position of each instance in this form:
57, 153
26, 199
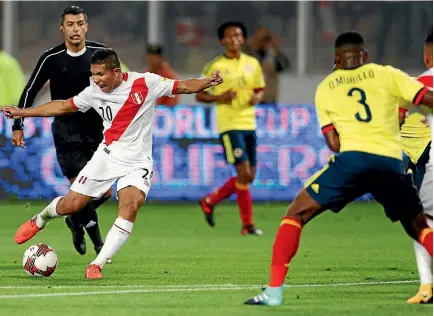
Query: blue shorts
239, 146
350, 175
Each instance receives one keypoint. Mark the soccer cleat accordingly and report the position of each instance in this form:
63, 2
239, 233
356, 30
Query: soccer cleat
251, 230
93, 271
27, 231
424, 296
208, 211
272, 296
77, 236
98, 249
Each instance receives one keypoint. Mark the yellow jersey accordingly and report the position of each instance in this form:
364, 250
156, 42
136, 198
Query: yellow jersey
243, 76
415, 136
362, 105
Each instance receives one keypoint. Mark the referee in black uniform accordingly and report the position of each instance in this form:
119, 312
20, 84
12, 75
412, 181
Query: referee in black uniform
76, 136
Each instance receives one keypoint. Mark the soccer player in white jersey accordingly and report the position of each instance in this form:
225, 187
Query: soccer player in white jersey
125, 101
423, 259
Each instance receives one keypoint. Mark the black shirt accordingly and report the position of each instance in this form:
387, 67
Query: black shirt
69, 74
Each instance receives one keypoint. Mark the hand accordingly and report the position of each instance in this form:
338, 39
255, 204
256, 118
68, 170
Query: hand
12, 112
256, 98
215, 79
18, 138
226, 97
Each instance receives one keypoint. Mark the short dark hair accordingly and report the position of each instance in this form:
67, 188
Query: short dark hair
349, 38
222, 28
428, 38
107, 57
74, 10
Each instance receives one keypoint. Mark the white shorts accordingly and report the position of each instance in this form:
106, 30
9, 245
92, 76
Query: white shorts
101, 172
426, 189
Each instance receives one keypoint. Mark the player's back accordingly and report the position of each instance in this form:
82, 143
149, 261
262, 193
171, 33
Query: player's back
362, 104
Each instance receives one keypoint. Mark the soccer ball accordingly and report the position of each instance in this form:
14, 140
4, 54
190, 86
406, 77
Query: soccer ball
40, 260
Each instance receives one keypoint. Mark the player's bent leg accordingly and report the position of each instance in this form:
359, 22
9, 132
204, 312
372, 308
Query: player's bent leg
424, 266
235, 152
418, 229
60, 206
244, 198
208, 203
130, 201
423, 259
285, 246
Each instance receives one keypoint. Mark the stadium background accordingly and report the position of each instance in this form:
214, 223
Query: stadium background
188, 159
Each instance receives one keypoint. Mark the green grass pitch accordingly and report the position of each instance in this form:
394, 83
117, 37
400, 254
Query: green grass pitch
354, 263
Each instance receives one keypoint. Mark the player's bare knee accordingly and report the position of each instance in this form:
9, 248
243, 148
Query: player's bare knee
138, 201
303, 208
72, 203
130, 203
252, 174
244, 174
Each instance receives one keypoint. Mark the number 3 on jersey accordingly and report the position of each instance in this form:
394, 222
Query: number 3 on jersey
367, 117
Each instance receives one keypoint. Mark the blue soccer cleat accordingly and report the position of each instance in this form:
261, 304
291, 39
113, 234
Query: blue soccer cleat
272, 296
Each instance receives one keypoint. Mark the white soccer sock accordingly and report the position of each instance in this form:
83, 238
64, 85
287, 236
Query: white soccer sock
116, 237
48, 213
424, 262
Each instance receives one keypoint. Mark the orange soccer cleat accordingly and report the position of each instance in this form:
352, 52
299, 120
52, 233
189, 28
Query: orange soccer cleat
27, 231
93, 271
424, 296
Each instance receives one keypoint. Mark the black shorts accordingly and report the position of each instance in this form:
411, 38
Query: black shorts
350, 175
418, 169
72, 157
239, 146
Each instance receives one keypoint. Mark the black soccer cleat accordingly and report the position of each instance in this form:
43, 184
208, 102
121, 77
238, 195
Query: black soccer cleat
251, 230
208, 211
77, 236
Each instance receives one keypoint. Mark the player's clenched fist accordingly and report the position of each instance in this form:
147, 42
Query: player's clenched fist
215, 78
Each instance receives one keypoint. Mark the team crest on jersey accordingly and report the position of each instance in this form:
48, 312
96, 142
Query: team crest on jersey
137, 97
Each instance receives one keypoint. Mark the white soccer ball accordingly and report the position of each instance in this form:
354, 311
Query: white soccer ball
40, 260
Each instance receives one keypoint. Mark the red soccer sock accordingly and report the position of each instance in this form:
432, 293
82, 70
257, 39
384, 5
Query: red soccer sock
425, 239
284, 249
222, 193
244, 200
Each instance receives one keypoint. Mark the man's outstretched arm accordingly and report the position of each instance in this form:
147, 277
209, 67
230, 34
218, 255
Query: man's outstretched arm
53, 108
197, 85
